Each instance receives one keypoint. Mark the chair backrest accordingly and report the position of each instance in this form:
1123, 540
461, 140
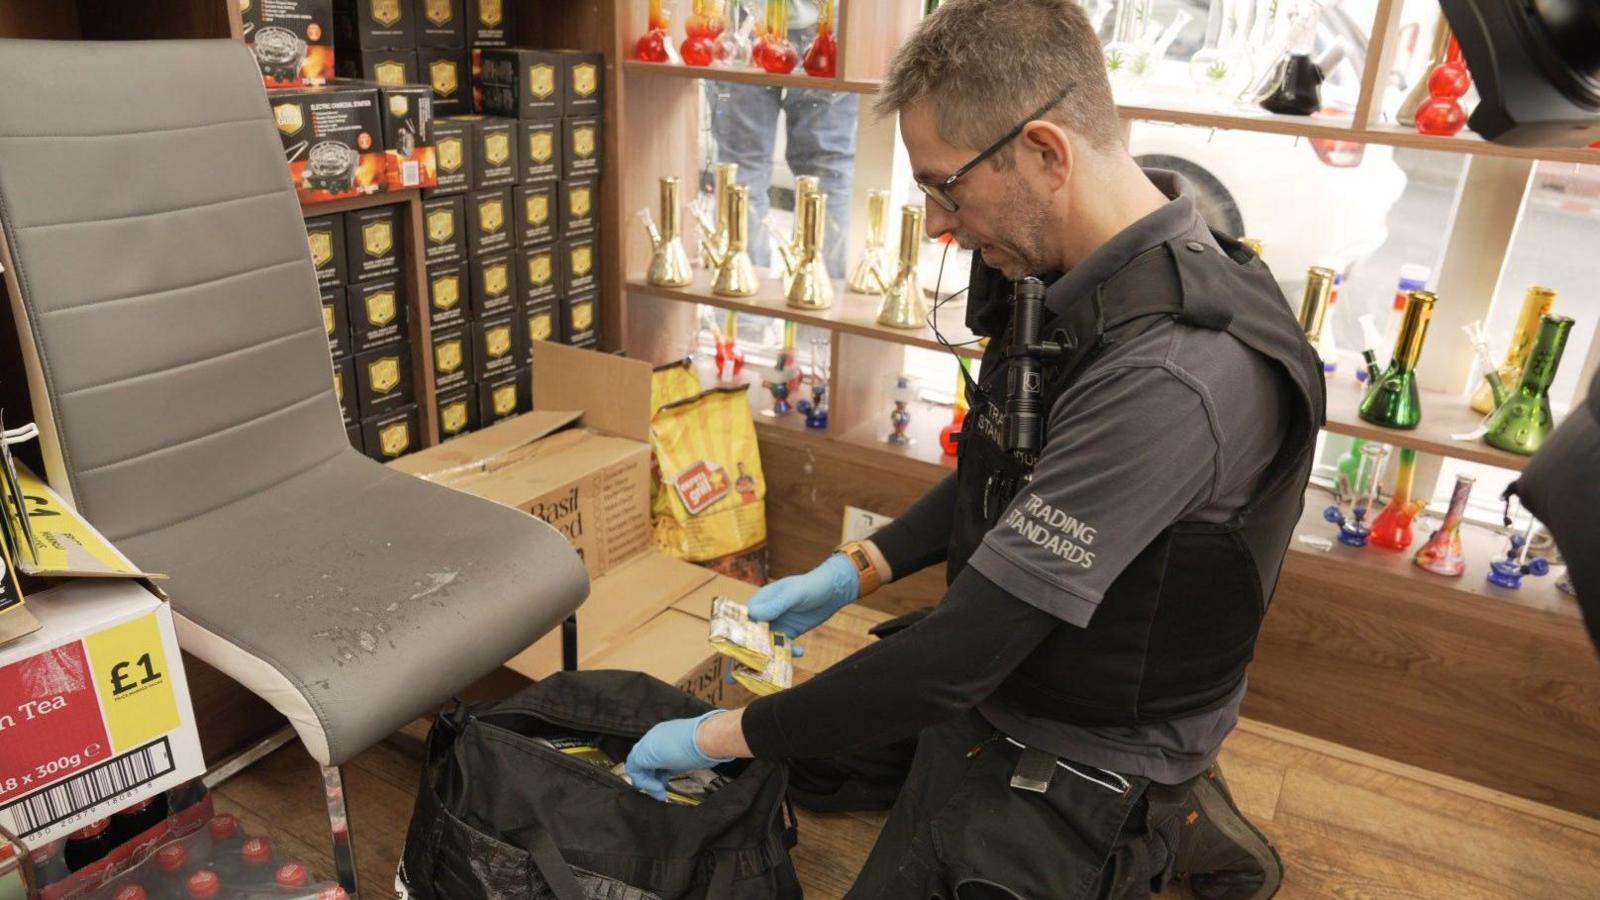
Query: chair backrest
160, 279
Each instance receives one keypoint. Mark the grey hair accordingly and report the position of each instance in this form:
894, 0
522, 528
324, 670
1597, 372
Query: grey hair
986, 64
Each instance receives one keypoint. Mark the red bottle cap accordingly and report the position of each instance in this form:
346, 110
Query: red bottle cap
172, 857
293, 875
204, 883
131, 892
257, 851
93, 829
223, 827
332, 892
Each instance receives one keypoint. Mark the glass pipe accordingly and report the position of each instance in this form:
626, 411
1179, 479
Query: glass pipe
810, 287
783, 378
816, 409
1293, 85
1373, 339
701, 31
669, 262
1407, 113
773, 51
736, 275
1442, 113
1314, 307
732, 48
714, 228
656, 44
1155, 51
1392, 527
1521, 420
958, 415
1509, 572
730, 359
864, 279
1349, 465
902, 390
822, 57
1442, 554
1393, 398
1219, 66
1536, 303
903, 306
1269, 42
1126, 54
1353, 530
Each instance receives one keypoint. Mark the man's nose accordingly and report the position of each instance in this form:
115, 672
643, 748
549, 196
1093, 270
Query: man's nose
939, 221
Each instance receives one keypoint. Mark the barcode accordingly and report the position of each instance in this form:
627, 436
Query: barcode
46, 807
410, 173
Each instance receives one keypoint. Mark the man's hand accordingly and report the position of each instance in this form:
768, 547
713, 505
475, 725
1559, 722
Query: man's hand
667, 751
799, 603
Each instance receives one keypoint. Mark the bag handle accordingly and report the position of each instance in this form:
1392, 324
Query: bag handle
557, 874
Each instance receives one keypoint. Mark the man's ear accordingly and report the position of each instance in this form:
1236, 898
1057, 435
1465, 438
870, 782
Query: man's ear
1046, 152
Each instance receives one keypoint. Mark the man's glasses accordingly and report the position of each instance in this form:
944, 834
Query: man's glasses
940, 191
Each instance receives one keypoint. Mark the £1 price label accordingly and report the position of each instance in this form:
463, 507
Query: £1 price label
135, 683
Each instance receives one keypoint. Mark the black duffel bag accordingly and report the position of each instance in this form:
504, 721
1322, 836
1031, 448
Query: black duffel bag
502, 815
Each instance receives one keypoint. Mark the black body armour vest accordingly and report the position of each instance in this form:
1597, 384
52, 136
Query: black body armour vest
1176, 629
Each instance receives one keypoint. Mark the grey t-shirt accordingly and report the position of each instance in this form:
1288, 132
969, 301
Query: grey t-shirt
1175, 424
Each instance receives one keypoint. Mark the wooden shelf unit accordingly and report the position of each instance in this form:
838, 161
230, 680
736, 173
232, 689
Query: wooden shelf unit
758, 77
1443, 415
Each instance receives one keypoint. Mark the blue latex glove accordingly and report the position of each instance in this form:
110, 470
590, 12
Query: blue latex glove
667, 751
799, 603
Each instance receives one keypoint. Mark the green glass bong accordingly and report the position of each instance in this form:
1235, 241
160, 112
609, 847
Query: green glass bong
1393, 398
1521, 420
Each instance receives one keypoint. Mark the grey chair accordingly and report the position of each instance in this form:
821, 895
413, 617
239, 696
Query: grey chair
169, 318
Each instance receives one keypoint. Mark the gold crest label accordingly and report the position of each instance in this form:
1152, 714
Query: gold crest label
327, 319
585, 79
321, 243
582, 259
289, 117
579, 200
443, 76
491, 215
542, 80
391, 73
582, 316
439, 12
539, 270
450, 154
540, 327
541, 146
338, 388
453, 417
380, 308
496, 279
441, 226
497, 147
386, 12
583, 141
505, 400
244, 6
377, 238
538, 209
446, 292
396, 438
447, 356
497, 341
490, 13
384, 374
400, 104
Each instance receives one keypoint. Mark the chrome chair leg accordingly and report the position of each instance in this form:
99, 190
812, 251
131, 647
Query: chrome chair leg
344, 851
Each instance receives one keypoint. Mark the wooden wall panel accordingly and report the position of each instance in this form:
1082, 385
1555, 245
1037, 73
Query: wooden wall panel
46, 19
131, 20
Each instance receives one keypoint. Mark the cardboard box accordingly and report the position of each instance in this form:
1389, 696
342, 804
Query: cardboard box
376, 311
325, 235
490, 22
541, 144
292, 40
336, 321
539, 274
580, 147
332, 139
578, 259
458, 412
344, 387
524, 84
494, 284
383, 382
537, 209
94, 710
374, 25
494, 143
504, 396
409, 156
387, 67
444, 230
441, 23
372, 243
391, 435
458, 162
452, 358
580, 203
584, 78
489, 228
497, 346
544, 324
580, 319
449, 292
448, 71
353, 434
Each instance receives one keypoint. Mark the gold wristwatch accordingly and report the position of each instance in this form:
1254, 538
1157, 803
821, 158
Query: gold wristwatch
866, 570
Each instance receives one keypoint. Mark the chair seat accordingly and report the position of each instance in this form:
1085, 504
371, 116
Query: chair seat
355, 598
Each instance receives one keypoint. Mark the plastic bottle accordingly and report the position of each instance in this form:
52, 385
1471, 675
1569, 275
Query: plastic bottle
48, 866
171, 870
293, 877
88, 845
138, 819
255, 862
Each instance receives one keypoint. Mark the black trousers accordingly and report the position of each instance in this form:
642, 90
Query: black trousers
959, 831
